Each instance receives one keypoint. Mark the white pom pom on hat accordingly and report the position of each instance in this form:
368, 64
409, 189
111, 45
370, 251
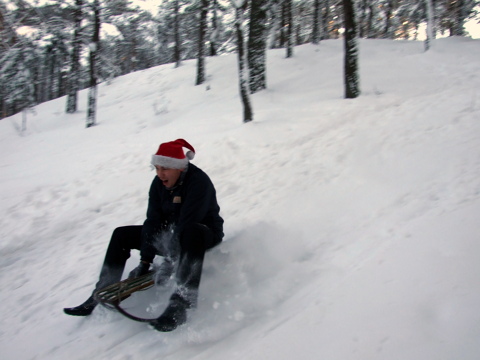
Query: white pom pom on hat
171, 155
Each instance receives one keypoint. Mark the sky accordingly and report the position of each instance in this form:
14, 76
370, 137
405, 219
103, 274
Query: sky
351, 225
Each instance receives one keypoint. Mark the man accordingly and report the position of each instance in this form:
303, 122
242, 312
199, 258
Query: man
183, 221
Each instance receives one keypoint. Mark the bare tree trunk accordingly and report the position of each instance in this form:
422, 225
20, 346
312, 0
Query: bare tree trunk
352, 89
201, 43
316, 22
430, 24
289, 24
325, 16
177, 55
459, 18
388, 33
257, 44
214, 34
92, 93
72, 96
242, 60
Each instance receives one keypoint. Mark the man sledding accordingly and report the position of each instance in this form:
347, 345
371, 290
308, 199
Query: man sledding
183, 222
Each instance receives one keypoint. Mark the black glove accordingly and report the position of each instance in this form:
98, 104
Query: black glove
140, 270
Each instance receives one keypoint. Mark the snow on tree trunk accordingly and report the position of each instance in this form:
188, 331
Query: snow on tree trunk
352, 89
257, 43
201, 43
430, 24
242, 60
75, 61
92, 93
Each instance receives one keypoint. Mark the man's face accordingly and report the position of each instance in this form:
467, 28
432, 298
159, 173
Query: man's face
169, 177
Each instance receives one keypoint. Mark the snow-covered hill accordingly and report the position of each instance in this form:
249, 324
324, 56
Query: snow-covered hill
352, 226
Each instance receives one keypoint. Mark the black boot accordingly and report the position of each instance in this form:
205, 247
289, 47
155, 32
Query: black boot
174, 315
82, 310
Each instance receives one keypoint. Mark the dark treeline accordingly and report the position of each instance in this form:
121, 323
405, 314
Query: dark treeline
47, 51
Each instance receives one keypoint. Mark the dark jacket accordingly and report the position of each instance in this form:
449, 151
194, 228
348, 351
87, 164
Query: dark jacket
192, 201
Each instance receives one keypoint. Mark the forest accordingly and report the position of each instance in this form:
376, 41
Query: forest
56, 48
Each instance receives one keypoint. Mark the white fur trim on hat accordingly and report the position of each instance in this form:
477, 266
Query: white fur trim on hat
170, 163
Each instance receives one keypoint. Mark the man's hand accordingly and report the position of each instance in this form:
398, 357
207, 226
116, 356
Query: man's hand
140, 270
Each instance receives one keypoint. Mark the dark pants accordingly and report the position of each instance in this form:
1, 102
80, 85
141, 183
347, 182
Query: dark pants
192, 243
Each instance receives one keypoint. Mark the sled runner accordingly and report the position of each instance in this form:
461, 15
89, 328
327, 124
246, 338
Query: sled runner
113, 295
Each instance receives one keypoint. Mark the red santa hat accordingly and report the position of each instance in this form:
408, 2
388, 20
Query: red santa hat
171, 155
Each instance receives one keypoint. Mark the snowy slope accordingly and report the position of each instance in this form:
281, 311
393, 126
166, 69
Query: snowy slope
352, 225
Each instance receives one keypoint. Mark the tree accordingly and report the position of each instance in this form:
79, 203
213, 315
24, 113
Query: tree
257, 44
352, 89
17, 67
288, 21
316, 22
326, 14
177, 53
53, 38
240, 6
133, 47
215, 29
430, 24
94, 47
75, 59
389, 32
202, 30
455, 13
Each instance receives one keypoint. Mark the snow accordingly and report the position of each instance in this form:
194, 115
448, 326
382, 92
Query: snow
351, 225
